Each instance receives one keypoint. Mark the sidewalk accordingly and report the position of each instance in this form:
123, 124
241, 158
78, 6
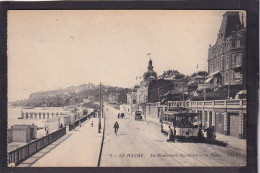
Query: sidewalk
232, 141
80, 149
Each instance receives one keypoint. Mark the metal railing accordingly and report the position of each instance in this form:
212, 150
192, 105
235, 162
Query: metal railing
235, 103
20, 154
77, 122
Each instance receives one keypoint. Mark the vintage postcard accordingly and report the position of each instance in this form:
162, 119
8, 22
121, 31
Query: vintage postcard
127, 88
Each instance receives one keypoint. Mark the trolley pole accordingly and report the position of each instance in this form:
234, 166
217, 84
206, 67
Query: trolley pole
99, 115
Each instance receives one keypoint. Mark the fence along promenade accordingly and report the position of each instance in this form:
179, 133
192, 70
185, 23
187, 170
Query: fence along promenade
19, 155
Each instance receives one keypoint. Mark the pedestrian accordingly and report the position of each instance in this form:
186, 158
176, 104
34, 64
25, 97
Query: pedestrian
118, 116
92, 124
116, 127
61, 125
209, 134
200, 135
47, 130
170, 135
213, 134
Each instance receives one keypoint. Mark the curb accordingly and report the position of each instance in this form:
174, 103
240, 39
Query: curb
101, 147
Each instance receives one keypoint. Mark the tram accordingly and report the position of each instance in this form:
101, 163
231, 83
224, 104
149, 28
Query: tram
184, 124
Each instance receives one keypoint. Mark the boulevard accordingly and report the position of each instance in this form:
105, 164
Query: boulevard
141, 143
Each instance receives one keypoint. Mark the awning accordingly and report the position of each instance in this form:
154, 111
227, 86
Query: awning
242, 92
209, 79
212, 74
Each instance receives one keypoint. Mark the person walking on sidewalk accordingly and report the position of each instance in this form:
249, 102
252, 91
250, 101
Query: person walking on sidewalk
118, 116
170, 136
116, 127
210, 135
92, 124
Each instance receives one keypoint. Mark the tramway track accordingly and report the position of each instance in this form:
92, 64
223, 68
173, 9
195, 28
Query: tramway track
149, 140
234, 159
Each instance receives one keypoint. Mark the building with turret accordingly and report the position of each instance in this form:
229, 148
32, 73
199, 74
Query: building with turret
153, 89
227, 58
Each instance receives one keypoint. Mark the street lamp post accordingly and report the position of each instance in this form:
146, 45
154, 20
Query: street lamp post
205, 87
183, 94
99, 115
132, 96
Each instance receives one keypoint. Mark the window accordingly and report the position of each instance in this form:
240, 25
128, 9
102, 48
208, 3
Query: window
227, 78
234, 57
227, 62
239, 59
237, 76
238, 42
233, 43
242, 43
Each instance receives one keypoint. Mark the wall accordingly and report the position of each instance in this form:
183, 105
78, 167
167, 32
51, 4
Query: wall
65, 120
219, 113
21, 135
9, 135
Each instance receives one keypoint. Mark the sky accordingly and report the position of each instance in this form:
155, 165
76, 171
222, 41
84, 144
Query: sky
56, 49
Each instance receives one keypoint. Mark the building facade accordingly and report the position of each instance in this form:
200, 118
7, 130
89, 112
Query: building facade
153, 89
226, 59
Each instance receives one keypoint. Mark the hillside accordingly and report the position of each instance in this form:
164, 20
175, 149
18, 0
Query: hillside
73, 95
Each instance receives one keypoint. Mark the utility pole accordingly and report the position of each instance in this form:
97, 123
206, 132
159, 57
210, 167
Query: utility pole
99, 115
183, 95
132, 96
102, 101
158, 91
205, 88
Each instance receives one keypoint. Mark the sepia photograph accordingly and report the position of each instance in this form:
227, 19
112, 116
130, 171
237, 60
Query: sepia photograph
127, 88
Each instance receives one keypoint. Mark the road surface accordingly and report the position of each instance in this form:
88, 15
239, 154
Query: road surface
140, 143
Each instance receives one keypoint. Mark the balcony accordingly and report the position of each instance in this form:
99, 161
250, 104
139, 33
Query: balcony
236, 65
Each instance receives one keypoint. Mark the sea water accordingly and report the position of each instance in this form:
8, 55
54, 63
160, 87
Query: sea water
15, 112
